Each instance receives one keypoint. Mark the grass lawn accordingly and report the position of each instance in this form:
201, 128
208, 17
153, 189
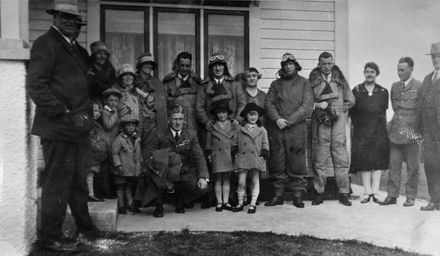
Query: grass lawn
422, 187
186, 243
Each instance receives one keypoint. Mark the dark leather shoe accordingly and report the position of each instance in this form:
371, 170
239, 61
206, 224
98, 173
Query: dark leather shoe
318, 199
343, 199
389, 200
409, 202
158, 212
430, 207
227, 207
219, 208
252, 209
95, 199
275, 201
59, 245
298, 202
237, 208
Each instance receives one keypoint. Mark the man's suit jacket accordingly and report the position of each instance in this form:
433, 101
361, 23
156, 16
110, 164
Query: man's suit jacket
427, 82
404, 102
56, 81
187, 147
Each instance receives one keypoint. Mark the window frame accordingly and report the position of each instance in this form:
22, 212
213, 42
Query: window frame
196, 55
245, 15
146, 11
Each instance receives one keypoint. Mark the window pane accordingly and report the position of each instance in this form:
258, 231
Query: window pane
124, 35
226, 35
176, 33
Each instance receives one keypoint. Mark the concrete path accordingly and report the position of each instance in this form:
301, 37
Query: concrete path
407, 228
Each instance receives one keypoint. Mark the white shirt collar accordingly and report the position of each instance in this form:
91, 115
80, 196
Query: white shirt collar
174, 132
65, 37
407, 81
180, 76
219, 80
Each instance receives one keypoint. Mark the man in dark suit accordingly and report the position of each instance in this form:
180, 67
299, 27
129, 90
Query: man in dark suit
56, 82
192, 181
429, 125
402, 133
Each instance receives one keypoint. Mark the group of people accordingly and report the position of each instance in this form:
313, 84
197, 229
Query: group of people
143, 138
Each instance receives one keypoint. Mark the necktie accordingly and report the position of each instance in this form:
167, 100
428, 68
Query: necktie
403, 85
176, 136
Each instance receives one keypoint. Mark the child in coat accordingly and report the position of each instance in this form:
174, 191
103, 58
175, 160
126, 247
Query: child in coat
96, 151
130, 101
218, 148
148, 117
250, 152
126, 154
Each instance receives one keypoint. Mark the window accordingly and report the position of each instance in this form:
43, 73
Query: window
175, 31
227, 33
125, 34
125, 30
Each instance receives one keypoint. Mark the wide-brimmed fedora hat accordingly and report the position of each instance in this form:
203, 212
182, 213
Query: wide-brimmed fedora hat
65, 6
146, 58
435, 49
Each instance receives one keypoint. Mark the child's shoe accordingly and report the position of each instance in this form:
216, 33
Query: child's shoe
227, 207
252, 209
219, 208
238, 208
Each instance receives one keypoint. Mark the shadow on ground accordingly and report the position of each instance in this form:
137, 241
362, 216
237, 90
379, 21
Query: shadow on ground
223, 243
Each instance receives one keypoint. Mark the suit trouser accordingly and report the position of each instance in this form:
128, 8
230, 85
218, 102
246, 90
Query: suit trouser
63, 182
186, 190
287, 159
330, 152
432, 169
410, 154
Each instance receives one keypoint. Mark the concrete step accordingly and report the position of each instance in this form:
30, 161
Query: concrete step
104, 216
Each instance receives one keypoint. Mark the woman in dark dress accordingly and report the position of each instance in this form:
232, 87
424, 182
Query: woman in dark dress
370, 143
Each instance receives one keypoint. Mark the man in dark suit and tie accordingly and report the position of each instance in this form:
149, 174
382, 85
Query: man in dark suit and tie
402, 133
429, 125
56, 81
192, 180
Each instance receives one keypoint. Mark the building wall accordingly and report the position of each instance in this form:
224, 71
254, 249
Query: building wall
40, 21
384, 31
304, 28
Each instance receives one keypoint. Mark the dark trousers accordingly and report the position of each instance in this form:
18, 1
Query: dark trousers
432, 169
410, 154
288, 159
186, 191
63, 182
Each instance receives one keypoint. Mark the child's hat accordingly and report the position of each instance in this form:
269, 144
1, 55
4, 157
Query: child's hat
111, 91
125, 69
146, 58
251, 106
128, 119
219, 105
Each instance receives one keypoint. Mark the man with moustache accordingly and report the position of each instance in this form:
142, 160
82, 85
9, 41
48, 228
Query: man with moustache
190, 180
57, 83
402, 133
429, 125
332, 94
289, 102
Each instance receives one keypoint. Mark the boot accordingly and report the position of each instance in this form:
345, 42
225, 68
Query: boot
318, 199
158, 212
276, 200
343, 199
297, 200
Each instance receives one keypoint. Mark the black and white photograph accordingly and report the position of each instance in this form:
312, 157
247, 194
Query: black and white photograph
219, 127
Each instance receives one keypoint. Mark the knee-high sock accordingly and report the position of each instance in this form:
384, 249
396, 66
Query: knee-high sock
375, 177
241, 186
255, 187
90, 177
218, 188
226, 188
366, 182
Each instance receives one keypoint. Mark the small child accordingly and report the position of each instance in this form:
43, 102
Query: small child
97, 151
110, 116
218, 149
130, 103
148, 116
126, 152
251, 150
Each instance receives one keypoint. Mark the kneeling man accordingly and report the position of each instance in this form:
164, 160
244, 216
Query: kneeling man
191, 179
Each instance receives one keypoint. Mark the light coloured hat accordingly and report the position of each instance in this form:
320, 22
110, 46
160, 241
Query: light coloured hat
146, 58
65, 6
125, 69
435, 49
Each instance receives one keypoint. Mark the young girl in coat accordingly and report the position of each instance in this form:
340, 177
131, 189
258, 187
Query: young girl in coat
96, 152
218, 148
130, 102
126, 152
251, 149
